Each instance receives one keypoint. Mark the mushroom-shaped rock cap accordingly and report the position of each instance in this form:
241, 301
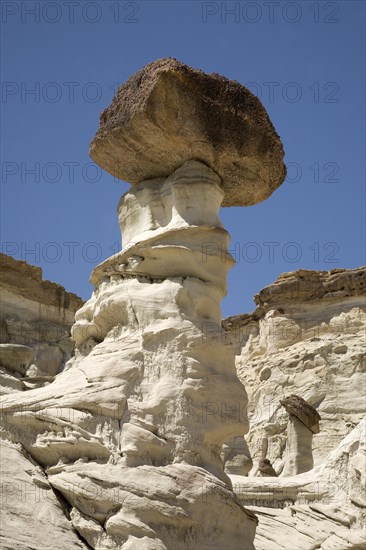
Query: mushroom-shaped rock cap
168, 113
298, 407
265, 467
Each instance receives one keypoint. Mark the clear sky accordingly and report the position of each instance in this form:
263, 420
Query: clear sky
61, 63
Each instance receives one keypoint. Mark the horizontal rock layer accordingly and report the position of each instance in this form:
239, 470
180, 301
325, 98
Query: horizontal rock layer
37, 314
322, 509
306, 337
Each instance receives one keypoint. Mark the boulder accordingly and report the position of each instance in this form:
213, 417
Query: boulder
297, 406
168, 113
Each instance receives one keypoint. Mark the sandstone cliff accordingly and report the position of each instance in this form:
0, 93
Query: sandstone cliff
304, 341
35, 321
306, 337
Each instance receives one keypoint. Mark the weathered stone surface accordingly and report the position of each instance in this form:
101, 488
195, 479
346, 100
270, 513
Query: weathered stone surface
305, 285
265, 468
295, 337
134, 434
15, 358
37, 314
168, 113
131, 432
236, 456
28, 282
298, 456
322, 508
31, 515
297, 406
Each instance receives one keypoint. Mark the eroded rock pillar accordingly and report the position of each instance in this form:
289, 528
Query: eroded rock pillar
302, 424
131, 432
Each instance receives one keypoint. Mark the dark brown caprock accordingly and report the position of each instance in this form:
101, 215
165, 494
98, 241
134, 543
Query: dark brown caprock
303, 411
168, 113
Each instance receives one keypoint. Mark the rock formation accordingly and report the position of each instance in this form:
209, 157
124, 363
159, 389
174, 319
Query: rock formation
236, 456
306, 337
168, 113
323, 508
31, 514
125, 449
265, 468
303, 423
131, 433
35, 322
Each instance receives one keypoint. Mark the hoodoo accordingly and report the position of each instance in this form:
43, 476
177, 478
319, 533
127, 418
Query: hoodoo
131, 432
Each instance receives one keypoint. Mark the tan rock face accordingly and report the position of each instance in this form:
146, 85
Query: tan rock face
306, 285
303, 423
306, 337
15, 358
37, 315
298, 455
168, 113
27, 281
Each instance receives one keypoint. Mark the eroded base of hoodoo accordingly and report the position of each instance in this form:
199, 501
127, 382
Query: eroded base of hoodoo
178, 506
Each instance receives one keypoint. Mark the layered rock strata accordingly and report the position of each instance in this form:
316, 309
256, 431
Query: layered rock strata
37, 316
323, 508
306, 337
137, 422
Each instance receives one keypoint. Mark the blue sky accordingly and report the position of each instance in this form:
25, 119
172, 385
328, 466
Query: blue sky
304, 59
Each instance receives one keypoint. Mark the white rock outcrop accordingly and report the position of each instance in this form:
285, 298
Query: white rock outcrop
31, 514
302, 424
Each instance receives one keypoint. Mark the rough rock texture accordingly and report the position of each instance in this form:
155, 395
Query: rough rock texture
236, 456
37, 314
265, 468
298, 455
15, 357
31, 515
168, 113
306, 337
302, 424
324, 509
298, 407
131, 439
307, 285
131, 433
